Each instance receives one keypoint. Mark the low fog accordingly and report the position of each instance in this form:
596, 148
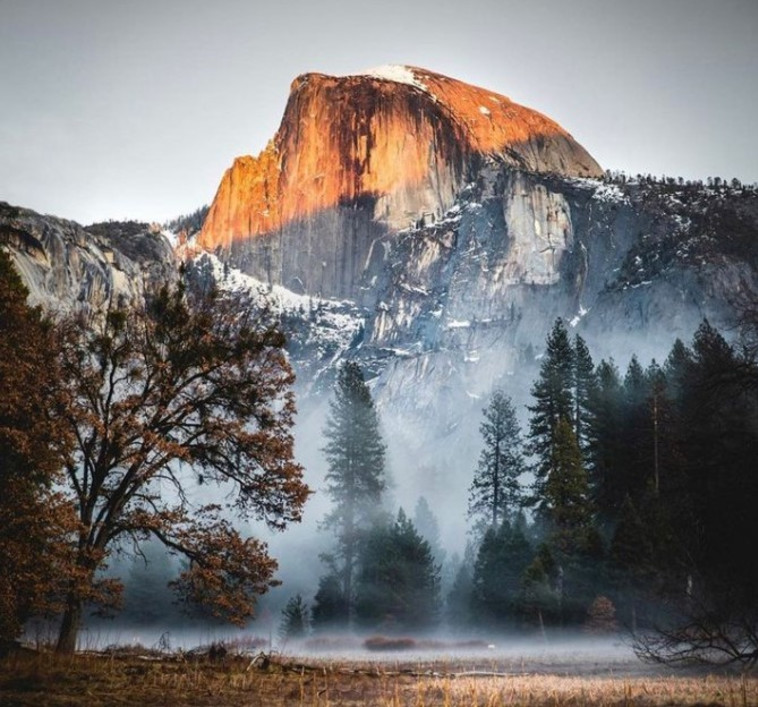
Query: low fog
433, 442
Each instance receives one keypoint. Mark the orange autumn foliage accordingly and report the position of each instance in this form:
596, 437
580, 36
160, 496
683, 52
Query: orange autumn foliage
34, 519
181, 391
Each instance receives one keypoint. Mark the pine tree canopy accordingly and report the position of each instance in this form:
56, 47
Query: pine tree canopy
503, 557
354, 451
495, 491
585, 386
330, 608
398, 580
296, 619
356, 477
553, 397
566, 502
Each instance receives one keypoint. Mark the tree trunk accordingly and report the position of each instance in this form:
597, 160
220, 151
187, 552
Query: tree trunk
542, 625
69, 627
349, 555
347, 586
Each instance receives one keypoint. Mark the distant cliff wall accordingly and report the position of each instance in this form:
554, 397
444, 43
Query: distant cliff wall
63, 264
360, 157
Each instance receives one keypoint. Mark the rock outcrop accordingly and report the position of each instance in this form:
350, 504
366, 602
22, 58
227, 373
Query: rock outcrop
452, 309
460, 225
64, 264
367, 155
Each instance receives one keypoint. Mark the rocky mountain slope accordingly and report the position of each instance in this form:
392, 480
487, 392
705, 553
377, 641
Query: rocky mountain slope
461, 224
451, 227
64, 264
461, 305
357, 157
433, 231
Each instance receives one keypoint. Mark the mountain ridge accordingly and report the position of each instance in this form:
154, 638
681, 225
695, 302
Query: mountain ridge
65, 265
449, 301
405, 138
451, 308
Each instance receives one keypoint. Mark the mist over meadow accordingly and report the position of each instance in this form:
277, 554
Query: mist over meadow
425, 393
540, 574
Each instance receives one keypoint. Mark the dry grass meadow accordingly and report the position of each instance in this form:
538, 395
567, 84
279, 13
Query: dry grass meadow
132, 678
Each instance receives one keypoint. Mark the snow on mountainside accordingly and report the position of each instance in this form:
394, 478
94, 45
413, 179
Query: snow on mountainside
452, 307
433, 233
320, 331
396, 73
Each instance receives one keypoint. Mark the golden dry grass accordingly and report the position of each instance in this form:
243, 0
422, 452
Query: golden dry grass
80, 680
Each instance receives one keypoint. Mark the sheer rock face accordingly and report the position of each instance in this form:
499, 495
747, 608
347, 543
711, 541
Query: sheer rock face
511, 240
65, 265
397, 144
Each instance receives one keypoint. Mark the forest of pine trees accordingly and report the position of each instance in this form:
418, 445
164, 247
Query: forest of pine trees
628, 503
627, 499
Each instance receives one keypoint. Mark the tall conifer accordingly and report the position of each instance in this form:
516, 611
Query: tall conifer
356, 478
553, 401
398, 582
566, 501
605, 448
495, 489
585, 385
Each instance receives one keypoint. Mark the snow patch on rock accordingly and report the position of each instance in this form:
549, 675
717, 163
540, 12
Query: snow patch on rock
578, 317
397, 73
331, 324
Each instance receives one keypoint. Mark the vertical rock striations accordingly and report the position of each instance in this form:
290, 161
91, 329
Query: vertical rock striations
65, 265
396, 144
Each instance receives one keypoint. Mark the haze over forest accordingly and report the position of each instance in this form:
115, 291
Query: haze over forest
425, 373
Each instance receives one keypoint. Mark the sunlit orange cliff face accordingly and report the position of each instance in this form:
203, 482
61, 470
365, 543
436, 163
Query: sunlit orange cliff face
398, 138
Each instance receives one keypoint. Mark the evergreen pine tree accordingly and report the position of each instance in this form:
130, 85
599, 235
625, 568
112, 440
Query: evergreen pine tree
631, 560
720, 442
495, 491
553, 401
702, 528
585, 392
566, 501
398, 581
296, 619
329, 605
675, 368
428, 527
487, 598
356, 477
539, 602
630, 548
603, 468
503, 556
634, 381
635, 454
458, 606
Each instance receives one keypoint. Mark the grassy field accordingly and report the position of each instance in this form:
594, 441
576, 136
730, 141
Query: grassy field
122, 679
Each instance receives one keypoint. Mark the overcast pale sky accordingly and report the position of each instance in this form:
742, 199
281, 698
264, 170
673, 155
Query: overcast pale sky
116, 109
